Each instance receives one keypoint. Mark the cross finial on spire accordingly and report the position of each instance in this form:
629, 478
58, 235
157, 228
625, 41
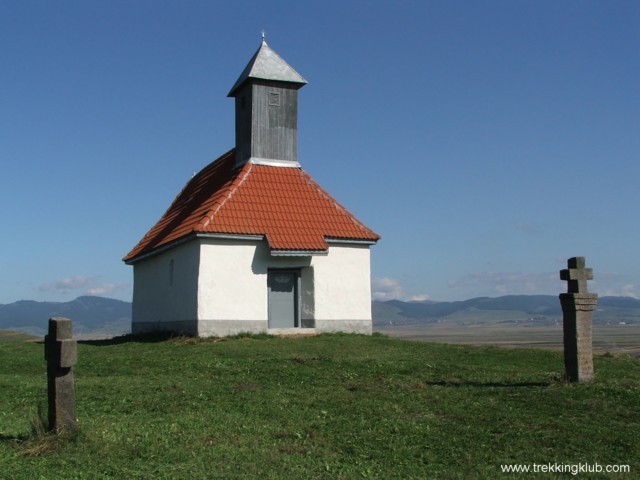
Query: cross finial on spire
264, 34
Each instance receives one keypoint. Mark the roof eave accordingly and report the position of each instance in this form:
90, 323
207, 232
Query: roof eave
352, 241
158, 250
299, 253
330, 241
192, 236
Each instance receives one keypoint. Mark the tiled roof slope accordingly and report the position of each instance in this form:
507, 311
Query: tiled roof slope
284, 204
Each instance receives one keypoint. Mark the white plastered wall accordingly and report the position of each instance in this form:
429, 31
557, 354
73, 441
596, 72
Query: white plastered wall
164, 293
231, 297
343, 289
232, 287
222, 285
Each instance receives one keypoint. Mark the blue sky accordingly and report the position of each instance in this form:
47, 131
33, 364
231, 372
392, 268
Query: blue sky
486, 141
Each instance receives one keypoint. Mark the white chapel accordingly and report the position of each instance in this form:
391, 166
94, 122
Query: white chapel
252, 243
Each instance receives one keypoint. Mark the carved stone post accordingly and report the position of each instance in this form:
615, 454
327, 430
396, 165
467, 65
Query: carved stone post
577, 308
60, 352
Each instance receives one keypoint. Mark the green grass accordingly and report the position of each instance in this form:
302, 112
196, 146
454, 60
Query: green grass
331, 406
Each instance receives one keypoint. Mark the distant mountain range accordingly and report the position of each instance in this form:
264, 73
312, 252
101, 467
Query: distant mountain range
90, 315
102, 316
530, 309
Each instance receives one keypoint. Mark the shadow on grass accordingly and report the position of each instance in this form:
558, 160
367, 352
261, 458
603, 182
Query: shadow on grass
155, 337
460, 383
36, 444
15, 438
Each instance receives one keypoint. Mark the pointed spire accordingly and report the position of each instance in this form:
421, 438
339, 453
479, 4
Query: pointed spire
266, 64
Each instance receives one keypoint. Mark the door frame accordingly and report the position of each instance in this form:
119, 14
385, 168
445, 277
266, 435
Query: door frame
297, 290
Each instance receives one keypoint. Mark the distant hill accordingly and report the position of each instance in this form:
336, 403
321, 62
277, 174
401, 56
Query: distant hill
90, 315
531, 309
98, 315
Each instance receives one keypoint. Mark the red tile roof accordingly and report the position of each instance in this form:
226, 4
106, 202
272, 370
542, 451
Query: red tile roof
282, 203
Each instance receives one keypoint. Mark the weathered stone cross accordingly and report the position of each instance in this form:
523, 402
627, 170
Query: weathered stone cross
60, 352
577, 307
576, 275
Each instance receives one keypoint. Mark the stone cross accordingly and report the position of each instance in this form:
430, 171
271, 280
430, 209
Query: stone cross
577, 308
60, 352
576, 275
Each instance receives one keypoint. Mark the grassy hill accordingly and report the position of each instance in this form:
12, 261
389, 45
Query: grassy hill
331, 406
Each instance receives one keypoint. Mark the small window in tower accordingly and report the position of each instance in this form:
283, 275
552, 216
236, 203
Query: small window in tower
274, 99
171, 273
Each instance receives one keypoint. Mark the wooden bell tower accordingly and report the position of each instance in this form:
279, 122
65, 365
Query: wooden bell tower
267, 110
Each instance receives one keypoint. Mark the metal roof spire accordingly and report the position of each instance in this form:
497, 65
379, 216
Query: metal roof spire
266, 64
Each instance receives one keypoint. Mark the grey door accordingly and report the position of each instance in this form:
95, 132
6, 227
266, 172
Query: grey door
283, 298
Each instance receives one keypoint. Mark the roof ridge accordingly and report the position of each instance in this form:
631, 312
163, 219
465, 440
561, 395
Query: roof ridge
195, 178
343, 210
167, 222
239, 180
